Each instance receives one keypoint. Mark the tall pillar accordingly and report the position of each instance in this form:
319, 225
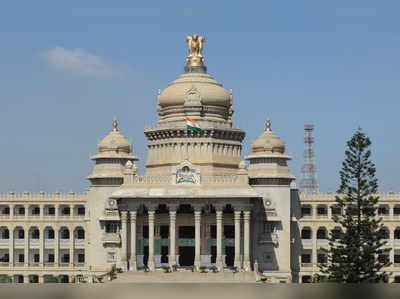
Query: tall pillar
72, 248
11, 246
56, 246
26, 245
314, 248
246, 257
218, 261
237, 239
132, 261
124, 218
150, 262
197, 219
172, 237
41, 246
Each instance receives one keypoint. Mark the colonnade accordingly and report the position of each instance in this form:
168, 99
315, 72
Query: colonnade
172, 236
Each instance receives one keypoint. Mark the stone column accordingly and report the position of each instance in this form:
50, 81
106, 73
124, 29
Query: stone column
56, 246
391, 243
132, 261
72, 247
41, 246
124, 218
172, 237
150, 262
71, 210
197, 219
218, 261
246, 257
41, 211
11, 246
237, 239
26, 247
12, 211
314, 248
26, 211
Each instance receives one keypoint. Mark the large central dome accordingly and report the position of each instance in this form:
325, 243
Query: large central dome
196, 94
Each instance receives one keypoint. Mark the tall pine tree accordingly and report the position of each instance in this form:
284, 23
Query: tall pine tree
353, 254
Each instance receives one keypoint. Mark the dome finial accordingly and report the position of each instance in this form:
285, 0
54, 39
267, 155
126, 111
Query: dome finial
268, 125
195, 60
115, 124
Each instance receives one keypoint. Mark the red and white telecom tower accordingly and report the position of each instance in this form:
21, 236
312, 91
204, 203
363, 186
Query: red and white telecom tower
309, 183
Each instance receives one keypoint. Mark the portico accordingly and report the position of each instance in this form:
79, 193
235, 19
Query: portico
185, 234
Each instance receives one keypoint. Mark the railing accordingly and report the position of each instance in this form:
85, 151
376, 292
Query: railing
19, 241
111, 238
5, 216
306, 241
49, 264
34, 241
306, 265
63, 264
4, 241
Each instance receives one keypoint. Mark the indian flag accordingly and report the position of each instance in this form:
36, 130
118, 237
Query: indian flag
192, 125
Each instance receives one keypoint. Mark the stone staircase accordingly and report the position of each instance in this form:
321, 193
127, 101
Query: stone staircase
184, 276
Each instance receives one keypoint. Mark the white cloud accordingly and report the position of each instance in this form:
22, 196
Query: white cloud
79, 62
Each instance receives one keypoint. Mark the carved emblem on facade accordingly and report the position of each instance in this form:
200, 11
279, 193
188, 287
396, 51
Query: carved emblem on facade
192, 97
186, 173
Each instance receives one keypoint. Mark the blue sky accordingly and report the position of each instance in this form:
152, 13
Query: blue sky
68, 67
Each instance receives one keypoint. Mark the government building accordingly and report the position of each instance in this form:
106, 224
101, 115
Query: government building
201, 202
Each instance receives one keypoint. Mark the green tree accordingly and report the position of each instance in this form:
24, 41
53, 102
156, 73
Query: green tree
355, 252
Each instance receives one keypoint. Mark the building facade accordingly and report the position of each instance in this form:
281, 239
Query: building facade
199, 203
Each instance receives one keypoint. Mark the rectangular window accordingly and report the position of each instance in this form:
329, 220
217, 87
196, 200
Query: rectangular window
81, 211
36, 211
81, 258
336, 210
322, 258
65, 258
111, 227
383, 258
21, 258
52, 210
383, 210
396, 211
321, 211
306, 210
306, 258
36, 258
21, 234
50, 258
397, 258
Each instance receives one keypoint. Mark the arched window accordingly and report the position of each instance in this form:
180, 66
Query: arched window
80, 233
321, 233
386, 233
306, 233
397, 233
336, 232
64, 233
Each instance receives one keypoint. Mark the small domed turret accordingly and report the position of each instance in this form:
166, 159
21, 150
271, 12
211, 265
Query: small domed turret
114, 153
115, 142
268, 143
268, 158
